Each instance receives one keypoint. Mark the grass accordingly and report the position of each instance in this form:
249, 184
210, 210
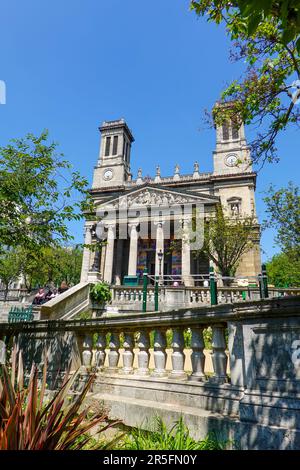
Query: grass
160, 437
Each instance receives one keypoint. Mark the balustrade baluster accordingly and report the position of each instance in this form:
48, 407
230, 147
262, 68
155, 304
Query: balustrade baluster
160, 355
197, 357
87, 353
178, 356
100, 353
113, 355
219, 357
143, 354
128, 353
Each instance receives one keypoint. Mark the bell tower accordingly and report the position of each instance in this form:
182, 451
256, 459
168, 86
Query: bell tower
232, 154
113, 167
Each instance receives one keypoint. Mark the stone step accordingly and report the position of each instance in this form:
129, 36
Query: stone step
141, 413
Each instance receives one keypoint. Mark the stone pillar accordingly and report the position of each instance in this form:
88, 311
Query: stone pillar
119, 261
109, 259
128, 353
143, 354
87, 353
133, 249
113, 355
219, 357
186, 255
178, 355
159, 247
198, 357
160, 355
86, 259
100, 353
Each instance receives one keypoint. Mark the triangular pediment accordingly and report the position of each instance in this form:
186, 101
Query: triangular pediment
149, 196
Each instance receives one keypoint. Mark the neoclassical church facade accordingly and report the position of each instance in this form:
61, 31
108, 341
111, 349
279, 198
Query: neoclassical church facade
139, 218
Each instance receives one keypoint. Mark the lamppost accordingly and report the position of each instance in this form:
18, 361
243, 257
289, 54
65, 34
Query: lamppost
160, 257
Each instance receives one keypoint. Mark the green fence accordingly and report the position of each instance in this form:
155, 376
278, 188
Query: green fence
23, 314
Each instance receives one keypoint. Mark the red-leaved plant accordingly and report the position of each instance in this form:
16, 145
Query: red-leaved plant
28, 423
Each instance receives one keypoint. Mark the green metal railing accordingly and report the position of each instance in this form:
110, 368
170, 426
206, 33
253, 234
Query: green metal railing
213, 279
23, 314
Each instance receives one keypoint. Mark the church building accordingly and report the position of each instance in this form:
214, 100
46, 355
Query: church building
138, 217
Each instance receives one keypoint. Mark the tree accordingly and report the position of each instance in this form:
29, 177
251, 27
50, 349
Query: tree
227, 239
265, 36
283, 209
38, 194
10, 270
50, 265
284, 271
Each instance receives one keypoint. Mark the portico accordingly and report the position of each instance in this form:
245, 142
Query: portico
149, 228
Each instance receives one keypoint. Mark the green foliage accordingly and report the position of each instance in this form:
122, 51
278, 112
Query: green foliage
38, 194
10, 269
100, 292
283, 209
265, 37
284, 271
226, 239
28, 423
176, 438
50, 265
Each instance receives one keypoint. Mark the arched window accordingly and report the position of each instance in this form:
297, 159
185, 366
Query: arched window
235, 129
225, 130
107, 146
234, 205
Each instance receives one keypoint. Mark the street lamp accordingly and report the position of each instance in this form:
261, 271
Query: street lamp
160, 257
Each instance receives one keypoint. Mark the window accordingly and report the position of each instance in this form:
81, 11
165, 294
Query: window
107, 146
115, 145
235, 129
225, 129
234, 204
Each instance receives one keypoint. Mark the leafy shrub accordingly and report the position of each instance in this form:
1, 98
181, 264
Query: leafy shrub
28, 423
177, 438
100, 292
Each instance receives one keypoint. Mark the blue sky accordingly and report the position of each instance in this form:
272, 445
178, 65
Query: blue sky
69, 65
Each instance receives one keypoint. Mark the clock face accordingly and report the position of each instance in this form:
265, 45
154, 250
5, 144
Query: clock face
231, 159
108, 174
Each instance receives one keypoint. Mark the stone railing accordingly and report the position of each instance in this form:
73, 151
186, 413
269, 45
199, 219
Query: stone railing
68, 304
246, 387
130, 298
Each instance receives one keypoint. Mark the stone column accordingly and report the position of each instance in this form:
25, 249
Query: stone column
128, 353
219, 357
186, 255
86, 260
119, 261
198, 357
87, 352
159, 354
159, 247
109, 260
143, 354
100, 353
178, 355
133, 249
113, 354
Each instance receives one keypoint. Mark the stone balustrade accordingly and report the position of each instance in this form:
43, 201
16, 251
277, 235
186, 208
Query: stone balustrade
131, 298
137, 356
250, 393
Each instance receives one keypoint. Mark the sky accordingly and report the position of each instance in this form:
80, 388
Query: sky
70, 65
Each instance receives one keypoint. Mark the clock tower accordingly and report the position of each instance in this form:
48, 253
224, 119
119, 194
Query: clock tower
113, 167
232, 154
